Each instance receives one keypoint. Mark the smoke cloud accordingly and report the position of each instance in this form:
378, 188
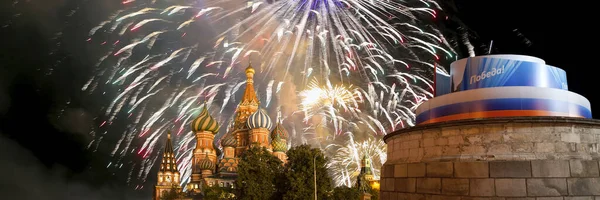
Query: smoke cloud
25, 177
74, 121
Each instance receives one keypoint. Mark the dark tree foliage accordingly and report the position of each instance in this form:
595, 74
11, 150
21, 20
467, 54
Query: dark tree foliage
258, 170
299, 178
374, 194
218, 193
362, 184
345, 193
172, 194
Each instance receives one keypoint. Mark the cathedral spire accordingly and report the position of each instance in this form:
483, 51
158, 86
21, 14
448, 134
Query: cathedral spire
249, 95
168, 163
168, 175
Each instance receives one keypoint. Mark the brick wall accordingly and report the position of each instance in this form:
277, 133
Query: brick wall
494, 180
495, 141
542, 158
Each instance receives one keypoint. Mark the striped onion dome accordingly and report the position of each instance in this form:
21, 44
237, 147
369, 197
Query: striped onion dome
205, 122
229, 140
280, 131
259, 119
206, 164
278, 144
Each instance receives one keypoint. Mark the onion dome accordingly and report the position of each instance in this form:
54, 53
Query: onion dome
280, 131
205, 122
206, 164
278, 144
229, 140
228, 165
259, 119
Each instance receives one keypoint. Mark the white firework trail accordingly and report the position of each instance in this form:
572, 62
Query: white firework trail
375, 58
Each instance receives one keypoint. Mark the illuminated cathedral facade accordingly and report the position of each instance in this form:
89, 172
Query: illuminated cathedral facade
251, 127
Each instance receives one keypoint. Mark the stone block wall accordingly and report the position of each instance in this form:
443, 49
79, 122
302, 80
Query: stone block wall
496, 141
492, 180
543, 158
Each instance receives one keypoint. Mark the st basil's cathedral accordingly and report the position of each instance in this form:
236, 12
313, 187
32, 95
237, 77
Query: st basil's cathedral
251, 127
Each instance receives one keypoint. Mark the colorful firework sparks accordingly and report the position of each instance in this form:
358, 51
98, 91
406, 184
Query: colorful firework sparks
345, 163
315, 96
157, 68
317, 100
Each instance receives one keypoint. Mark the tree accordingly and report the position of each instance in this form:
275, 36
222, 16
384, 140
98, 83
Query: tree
362, 184
218, 193
172, 194
374, 194
299, 174
257, 171
345, 193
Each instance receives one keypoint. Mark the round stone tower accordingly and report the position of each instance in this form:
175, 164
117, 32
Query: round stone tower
507, 128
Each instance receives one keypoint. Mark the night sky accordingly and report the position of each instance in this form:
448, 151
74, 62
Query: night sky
46, 158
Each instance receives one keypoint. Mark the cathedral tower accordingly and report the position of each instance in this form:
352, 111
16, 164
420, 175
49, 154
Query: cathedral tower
247, 106
228, 165
259, 124
168, 175
279, 138
205, 155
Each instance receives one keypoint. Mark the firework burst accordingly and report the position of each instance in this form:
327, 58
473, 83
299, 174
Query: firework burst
163, 59
345, 163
